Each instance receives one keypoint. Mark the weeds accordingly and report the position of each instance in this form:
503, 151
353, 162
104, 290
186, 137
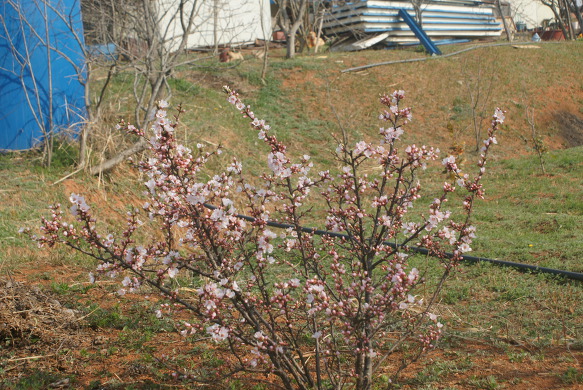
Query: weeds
487, 383
537, 141
479, 87
572, 376
439, 369
35, 380
517, 357
99, 317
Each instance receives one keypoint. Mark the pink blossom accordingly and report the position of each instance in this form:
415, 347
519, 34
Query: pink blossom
277, 163
79, 205
499, 116
463, 248
172, 272
218, 333
391, 134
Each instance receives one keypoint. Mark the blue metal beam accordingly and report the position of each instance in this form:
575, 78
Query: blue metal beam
419, 33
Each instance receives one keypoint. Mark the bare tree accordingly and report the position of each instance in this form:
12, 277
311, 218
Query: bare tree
557, 7
157, 44
479, 86
145, 40
537, 141
154, 48
504, 21
578, 11
419, 6
290, 17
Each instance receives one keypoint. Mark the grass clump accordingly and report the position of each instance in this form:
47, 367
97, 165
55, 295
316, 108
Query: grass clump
572, 376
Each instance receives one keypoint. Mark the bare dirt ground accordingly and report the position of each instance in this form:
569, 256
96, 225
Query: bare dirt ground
570, 127
41, 333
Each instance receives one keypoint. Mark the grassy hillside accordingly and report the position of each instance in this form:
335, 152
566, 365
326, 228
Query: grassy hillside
527, 217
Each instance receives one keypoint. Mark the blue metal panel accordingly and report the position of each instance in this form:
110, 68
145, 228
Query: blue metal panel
468, 16
445, 31
419, 33
24, 70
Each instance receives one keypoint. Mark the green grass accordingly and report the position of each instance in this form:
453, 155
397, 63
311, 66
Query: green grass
36, 380
542, 212
436, 370
572, 376
487, 383
527, 217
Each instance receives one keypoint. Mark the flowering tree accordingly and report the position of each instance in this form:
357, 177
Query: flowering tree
317, 311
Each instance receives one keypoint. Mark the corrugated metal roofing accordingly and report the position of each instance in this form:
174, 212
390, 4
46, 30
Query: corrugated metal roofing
443, 20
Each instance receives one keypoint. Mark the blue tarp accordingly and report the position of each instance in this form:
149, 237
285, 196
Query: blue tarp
24, 72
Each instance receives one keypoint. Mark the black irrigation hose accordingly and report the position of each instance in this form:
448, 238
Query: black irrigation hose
471, 259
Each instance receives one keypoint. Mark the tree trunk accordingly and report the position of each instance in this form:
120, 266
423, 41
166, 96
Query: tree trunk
418, 13
561, 23
569, 21
291, 35
216, 27
553, 6
291, 46
83, 145
266, 39
577, 11
120, 157
506, 29
49, 141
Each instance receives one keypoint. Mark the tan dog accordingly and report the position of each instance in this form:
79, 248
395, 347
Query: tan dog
227, 55
234, 56
314, 41
259, 54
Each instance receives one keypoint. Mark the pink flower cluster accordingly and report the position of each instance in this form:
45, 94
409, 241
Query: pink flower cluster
307, 308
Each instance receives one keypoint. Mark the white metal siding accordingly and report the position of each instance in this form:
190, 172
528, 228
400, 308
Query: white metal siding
236, 21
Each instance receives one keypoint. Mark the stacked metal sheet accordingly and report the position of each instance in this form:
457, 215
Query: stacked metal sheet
444, 21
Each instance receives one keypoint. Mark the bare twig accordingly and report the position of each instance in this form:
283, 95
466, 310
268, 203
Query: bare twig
67, 176
537, 141
29, 358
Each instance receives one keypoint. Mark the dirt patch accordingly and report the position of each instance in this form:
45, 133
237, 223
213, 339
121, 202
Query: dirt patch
109, 202
217, 82
40, 335
546, 227
475, 364
570, 128
210, 81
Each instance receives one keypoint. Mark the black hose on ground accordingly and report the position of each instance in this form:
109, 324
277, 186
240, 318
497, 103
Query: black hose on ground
471, 259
